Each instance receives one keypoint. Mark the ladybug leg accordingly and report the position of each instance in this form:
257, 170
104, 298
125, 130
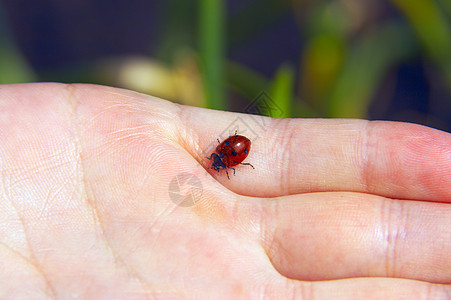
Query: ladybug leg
227, 174
218, 141
247, 164
232, 169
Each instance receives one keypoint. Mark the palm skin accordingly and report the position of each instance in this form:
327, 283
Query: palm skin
86, 209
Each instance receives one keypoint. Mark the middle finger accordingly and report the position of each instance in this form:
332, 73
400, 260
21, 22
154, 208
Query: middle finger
333, 235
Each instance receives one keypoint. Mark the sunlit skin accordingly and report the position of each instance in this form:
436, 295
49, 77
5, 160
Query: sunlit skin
334, 209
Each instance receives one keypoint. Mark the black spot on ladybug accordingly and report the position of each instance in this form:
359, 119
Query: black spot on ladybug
234, 153
235, 162
246, 151
226, 143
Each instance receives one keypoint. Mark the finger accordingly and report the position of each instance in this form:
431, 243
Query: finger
325, 236
361, 288
291, 156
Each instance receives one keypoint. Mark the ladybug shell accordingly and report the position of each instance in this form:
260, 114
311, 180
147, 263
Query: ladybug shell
234, 150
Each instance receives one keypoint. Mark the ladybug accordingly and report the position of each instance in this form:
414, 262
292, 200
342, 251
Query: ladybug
231, 152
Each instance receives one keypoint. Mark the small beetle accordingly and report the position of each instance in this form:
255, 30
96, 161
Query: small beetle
231, 152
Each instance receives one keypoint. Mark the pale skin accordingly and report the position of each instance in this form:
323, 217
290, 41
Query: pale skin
335, 209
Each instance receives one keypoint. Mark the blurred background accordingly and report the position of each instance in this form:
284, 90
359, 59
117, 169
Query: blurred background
374, 59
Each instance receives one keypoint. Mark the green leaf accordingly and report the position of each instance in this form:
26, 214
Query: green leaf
365, 66
282, 89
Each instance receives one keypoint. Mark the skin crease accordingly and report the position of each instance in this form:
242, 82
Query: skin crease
335, 209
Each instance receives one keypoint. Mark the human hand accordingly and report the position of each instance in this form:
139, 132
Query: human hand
86, 208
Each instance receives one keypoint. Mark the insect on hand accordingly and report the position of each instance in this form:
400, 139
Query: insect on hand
231, 152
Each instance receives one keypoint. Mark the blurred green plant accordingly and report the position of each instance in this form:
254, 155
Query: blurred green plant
348, 50
343, 65
366, 63
211, 49
13, 66
282, 89
433, 30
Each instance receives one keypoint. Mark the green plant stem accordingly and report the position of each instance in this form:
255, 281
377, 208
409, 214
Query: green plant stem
211, 35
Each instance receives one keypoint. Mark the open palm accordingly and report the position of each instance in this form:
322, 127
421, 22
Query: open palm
108, 194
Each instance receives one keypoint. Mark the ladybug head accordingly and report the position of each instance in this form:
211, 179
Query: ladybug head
217, 161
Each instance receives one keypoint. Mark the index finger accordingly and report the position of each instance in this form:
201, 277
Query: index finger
292, 156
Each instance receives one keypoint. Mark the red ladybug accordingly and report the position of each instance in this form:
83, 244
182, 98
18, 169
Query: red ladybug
231, 152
